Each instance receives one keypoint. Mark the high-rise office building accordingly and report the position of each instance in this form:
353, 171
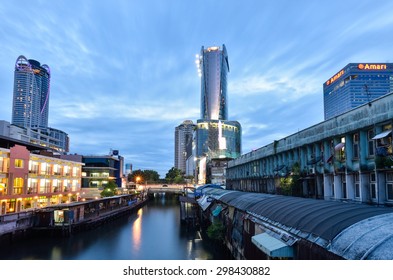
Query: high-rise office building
213, 67
31, 93
183, 143
354, 85
216, 138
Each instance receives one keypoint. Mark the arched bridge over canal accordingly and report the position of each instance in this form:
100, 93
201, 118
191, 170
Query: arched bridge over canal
166, 188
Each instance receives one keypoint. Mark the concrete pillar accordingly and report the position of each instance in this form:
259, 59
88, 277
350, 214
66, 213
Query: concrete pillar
338, 194
349, 152
365, 187
327, 186
381, 187
319, 186
350, 186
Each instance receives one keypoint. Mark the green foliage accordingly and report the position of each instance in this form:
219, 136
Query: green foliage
175, 176
145, 176
216, 231
290, 185
110, 189
383, 162
286, 185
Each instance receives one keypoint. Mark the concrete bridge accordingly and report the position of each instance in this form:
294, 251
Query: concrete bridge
165, 188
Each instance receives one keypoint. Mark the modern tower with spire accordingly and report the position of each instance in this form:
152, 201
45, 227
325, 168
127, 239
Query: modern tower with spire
217, 140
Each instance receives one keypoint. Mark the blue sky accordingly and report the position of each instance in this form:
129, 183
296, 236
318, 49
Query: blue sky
124, 76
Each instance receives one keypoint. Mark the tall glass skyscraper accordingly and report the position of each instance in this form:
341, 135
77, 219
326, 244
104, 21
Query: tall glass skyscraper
213, 68
183, 144
31, 93
216, 138
356, 84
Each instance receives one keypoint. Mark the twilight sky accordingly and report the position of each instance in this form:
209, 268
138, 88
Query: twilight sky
124, 76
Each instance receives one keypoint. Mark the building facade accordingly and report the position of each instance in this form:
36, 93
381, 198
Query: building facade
348, 157
31, 93
216, 142
98, 170
183, 149
51, 138
218, 139
30, 180
356, 84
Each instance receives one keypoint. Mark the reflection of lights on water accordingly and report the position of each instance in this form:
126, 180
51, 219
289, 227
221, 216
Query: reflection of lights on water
56, 253
137, 230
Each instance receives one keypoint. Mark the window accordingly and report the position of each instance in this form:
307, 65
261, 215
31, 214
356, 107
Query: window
373, 186
43, 168
389, 185
357, 185
389, 191
344, 187
373, 191
19, 163
356, 146
340, 150
357, 190
18, 186
370, 135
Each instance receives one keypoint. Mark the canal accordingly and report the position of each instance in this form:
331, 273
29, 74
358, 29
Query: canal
152, 232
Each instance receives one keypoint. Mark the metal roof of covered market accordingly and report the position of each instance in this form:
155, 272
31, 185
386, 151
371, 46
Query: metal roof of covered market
325, 222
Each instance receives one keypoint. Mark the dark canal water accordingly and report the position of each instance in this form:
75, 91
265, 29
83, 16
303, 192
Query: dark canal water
153, 232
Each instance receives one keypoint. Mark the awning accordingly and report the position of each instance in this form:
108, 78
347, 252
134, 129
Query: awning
382, 134
339, 146
271, 246
204, 202
217, 211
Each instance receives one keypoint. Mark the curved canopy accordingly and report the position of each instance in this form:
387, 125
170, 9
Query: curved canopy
337, 223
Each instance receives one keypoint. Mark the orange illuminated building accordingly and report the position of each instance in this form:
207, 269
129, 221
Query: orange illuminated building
30, 180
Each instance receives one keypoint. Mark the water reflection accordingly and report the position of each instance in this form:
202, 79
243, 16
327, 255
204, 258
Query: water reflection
152, 233
136, 231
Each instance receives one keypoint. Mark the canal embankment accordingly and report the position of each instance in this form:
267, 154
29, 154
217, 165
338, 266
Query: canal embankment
67, 219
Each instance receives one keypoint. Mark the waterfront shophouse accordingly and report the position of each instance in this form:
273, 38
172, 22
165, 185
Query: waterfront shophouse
348, 157
30, 180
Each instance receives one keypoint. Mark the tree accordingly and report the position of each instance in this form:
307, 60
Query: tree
175, 175
144, 176
151, 175
110, 189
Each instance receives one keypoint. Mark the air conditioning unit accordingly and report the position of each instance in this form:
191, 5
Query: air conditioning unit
311, 170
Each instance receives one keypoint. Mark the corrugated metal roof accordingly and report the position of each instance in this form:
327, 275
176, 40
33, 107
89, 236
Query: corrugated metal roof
321, 218
243, 200
368, 239
343, 228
